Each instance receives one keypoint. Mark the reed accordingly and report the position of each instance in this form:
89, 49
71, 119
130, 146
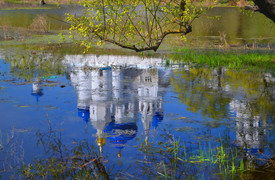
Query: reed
174, 160
39, 25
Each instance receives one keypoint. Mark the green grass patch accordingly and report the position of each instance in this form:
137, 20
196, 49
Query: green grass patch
13, 1
50, 38
231, 59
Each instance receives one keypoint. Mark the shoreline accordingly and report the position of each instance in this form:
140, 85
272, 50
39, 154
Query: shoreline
31, 4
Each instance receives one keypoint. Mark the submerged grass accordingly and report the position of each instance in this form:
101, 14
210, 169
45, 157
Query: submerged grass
174, 159
217, 58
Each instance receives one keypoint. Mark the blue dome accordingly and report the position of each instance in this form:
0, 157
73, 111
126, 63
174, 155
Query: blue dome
84, 114
37, 94
106, 68
253, 150
157, 118
119, 134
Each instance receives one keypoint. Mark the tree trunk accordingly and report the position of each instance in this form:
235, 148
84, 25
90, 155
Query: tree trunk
267, 7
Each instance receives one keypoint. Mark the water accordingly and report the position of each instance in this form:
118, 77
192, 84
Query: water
120, 116
24, 17
236, 26
123, 107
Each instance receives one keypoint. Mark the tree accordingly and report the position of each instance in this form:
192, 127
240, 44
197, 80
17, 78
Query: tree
138, 25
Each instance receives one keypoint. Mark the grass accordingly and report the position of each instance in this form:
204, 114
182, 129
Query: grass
251, 60
36, 39
174, 160
213, 58
217, 58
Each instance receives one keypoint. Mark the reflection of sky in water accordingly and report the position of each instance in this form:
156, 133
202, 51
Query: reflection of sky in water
117, 102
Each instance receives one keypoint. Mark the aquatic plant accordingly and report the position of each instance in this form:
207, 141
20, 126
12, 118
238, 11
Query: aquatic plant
173, 159
11, 151
78, 161
78, 165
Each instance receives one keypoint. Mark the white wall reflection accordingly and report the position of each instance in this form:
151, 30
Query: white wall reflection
114, 91
251, 133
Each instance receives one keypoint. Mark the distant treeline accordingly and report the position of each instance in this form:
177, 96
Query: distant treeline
229, 2
39, 1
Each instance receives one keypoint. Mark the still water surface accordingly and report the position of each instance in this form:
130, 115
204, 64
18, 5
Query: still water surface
234, 24
120, 103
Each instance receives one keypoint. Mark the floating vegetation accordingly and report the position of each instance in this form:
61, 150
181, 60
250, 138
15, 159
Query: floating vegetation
49, 85
184, 129
49, 107
182, 118
23, 106
7, 101
23, 130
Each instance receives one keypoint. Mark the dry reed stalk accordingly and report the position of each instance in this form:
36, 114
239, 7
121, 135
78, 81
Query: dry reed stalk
223, 39
39, 24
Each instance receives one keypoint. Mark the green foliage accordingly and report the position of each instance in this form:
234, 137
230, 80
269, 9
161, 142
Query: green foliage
61, 38
226, 58
138, 25
167, 62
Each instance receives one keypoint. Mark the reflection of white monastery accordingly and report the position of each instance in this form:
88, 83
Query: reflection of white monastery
114, 91
37, 90
250, 133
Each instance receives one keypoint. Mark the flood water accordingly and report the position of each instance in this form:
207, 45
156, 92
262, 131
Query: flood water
124, 107
66, 115
237, 26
